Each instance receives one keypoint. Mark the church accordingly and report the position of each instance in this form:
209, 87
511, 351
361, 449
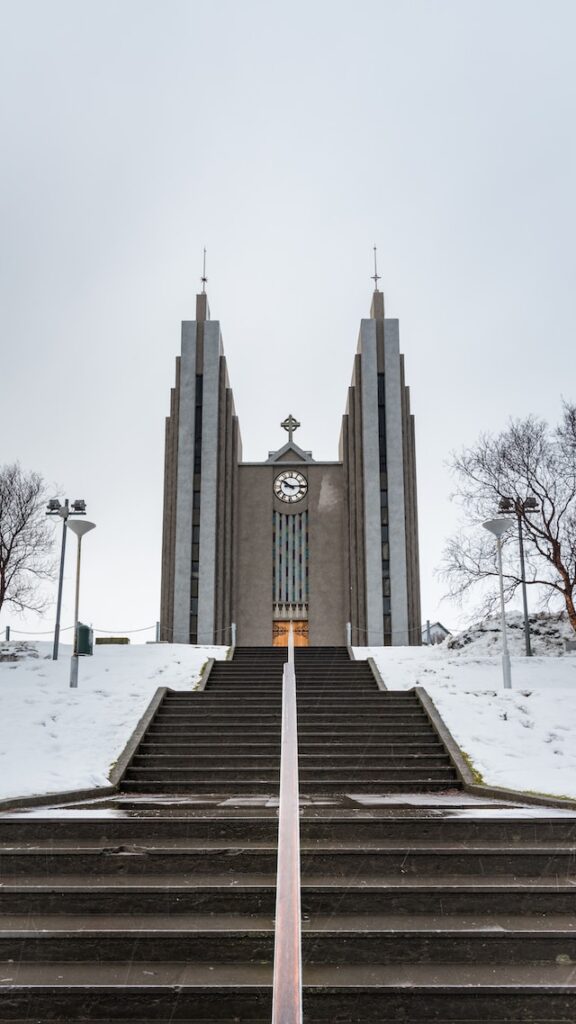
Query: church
250, 547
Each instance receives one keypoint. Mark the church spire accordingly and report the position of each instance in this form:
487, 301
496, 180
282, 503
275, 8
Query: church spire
377, 307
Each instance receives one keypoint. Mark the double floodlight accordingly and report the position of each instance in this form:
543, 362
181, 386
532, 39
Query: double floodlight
517, 505
56, 508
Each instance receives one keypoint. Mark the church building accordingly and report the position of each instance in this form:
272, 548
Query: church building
330, 546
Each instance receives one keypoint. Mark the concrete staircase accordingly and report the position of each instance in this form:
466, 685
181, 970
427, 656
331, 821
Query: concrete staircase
351, 734
158, 905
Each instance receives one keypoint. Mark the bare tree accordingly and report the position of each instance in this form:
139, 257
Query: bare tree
527, 460
25, 539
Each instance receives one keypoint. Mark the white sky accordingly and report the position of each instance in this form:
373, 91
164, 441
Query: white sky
288, 139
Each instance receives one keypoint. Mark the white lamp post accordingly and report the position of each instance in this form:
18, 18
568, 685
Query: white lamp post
79, 527
498, 527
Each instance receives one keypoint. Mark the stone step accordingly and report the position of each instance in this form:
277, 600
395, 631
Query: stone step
210, 992
323, 687
270, 787
233, 668
303, 675
346, 724
273, 683
307, 762
342, 859
391, 826
351, 772
211, 731
371, 746
325, 701
360, 670
320, 680
320, 750
305, 721
252, 894
332, 939
255, 709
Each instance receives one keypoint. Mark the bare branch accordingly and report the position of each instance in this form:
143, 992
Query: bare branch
25, 539
527, 460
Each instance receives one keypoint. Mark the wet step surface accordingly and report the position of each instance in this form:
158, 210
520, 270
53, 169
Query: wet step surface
418, 905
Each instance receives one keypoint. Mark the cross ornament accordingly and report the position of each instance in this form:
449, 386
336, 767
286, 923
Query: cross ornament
290, 424
375, 275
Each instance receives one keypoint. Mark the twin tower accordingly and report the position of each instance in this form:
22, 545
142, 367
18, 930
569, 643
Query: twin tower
260, 545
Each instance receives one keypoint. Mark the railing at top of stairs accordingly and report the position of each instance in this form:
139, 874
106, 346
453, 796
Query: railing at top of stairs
287, 983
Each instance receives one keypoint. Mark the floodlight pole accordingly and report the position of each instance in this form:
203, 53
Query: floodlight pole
527, 643
522, 507
505, 653
64, 513
79, 528
497, 527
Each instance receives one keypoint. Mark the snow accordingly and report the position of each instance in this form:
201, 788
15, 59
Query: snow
523, 738
54, 739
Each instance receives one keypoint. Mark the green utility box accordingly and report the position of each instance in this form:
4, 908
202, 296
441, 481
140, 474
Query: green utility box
85, 639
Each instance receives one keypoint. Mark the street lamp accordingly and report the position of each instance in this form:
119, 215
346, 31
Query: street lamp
521, 507
78, 508
79, 528
497, 527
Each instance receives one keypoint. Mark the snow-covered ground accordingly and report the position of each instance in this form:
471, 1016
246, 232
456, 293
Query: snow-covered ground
53, 738
523, 738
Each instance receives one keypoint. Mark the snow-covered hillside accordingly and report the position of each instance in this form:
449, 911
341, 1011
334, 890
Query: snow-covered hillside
524, 738
53, 738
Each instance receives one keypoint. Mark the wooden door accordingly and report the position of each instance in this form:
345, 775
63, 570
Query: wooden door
280, 630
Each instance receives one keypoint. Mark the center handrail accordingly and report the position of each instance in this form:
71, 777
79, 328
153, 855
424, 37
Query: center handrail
287, 981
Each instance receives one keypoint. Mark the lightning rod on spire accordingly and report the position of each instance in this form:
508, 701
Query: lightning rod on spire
375, 275
204, 279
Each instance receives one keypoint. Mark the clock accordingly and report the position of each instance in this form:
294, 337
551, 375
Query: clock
290, 486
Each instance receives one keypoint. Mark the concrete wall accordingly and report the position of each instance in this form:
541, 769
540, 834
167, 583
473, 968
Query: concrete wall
328, 561
185, 478
209, 482
371, 479
328, 566
253, 576
395, 466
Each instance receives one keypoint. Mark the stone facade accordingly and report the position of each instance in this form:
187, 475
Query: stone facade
342, 548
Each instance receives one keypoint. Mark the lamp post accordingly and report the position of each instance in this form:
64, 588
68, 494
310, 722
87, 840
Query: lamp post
521, 507
498, 527
79, 528
78, 508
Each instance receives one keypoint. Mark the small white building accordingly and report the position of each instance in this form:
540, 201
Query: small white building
434, 633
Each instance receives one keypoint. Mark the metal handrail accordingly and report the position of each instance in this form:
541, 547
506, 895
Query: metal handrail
287, 983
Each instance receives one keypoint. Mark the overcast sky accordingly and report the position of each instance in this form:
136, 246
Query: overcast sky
287, 139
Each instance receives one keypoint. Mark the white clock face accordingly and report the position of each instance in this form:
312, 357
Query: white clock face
290, 486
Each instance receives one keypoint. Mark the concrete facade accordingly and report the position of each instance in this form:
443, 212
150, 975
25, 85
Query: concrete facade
395, 457
343, 550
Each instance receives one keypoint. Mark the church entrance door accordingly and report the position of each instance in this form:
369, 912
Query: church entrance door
280, 630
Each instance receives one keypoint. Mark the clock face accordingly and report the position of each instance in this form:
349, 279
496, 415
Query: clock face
290, 486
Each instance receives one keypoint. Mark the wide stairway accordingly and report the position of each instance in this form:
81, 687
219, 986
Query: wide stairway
351, 734
158, 905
